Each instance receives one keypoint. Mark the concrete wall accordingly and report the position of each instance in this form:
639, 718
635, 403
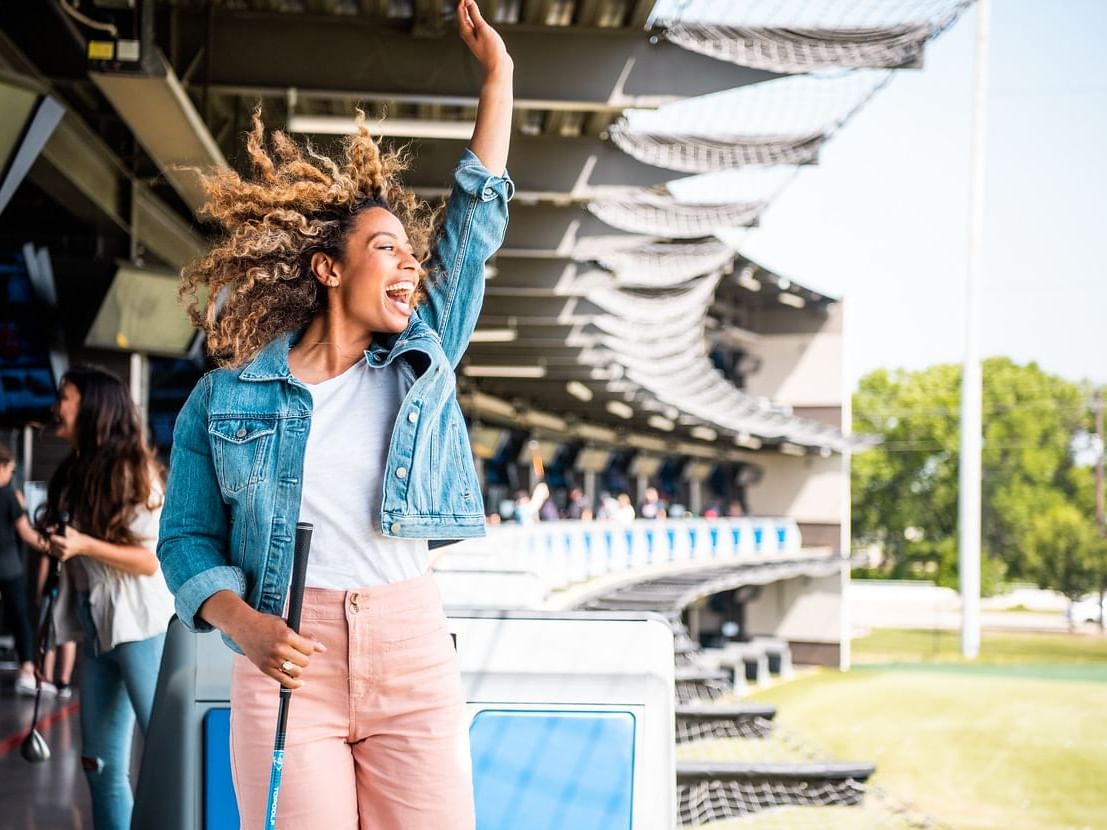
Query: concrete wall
809, 489
803, 369
806, 612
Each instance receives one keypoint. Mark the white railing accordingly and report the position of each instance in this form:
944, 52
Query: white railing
556, 555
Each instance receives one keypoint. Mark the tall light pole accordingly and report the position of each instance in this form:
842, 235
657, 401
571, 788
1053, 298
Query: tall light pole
971, 382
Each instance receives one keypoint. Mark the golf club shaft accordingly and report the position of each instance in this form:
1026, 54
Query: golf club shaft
34, 747
295, 606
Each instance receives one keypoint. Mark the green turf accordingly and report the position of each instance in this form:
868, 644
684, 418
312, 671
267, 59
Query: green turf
898, 645
978, 751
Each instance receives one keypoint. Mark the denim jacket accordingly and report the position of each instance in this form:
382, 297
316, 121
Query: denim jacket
236, 469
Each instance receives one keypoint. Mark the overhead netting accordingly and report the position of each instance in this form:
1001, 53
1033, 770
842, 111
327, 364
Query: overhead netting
666, 264
765, 776
658, 215
795, 36
740, 184
669, 362
693, 153
778, 122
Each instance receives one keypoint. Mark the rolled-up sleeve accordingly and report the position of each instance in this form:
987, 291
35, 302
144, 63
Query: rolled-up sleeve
193, 535
472, 231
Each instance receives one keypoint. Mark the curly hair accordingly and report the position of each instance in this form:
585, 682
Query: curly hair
258, 277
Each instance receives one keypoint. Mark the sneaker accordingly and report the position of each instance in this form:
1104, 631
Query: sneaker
25, 684
63, 691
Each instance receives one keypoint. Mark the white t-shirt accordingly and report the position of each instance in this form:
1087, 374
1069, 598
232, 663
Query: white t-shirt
125, 607
347, 447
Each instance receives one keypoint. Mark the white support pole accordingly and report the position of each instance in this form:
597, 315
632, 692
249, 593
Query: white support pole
140, 385
971, 381
845, 537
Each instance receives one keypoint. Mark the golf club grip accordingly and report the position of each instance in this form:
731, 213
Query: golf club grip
299, 574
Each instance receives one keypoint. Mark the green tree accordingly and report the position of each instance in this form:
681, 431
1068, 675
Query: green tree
1062, 548
905, 490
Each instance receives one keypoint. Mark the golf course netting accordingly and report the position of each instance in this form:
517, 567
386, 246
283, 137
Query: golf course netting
752, 773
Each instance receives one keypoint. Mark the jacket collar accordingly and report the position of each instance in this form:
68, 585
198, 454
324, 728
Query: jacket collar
271, 362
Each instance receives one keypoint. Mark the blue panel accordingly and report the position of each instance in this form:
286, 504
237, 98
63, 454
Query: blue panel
535, 770
220, 810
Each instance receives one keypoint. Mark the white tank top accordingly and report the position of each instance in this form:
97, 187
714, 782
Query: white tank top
347, 447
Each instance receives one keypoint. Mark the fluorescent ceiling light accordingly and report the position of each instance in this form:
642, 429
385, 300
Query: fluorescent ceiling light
488, 405
595, 433
704, 433
794, 300
660, 422
398, 127
698, 451
647, 442
475, 371
620, 409
792, 449
544, 420
494, 336
578, 390
750, 442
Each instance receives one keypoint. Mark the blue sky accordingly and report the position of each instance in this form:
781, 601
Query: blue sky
882, 221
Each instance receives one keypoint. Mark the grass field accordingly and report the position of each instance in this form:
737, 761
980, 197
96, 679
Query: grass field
1017, 741
896, 645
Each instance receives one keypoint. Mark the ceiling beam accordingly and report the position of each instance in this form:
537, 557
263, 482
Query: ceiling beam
542, 167
551, 230
555, 67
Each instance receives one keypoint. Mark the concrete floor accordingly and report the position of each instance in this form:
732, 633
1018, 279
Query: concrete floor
50, 795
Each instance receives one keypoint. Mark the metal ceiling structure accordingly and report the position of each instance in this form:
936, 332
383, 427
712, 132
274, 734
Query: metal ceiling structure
609, 279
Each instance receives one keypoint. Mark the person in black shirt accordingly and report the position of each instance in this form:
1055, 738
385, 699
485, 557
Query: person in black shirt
13, 586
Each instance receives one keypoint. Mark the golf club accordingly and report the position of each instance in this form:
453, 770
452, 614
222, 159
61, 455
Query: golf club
34, 747
295, 604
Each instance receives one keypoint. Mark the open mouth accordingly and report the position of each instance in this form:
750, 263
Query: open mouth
400, 294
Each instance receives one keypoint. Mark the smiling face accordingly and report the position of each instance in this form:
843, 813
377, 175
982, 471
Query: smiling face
65, 411
373, 284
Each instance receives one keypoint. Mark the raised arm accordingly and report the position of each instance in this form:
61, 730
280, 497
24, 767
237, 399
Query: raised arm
476, 210
492, 131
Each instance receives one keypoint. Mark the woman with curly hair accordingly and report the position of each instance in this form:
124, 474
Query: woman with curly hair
339, 318
108, 495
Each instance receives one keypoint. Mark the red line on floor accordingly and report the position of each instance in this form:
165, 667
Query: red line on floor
44, 723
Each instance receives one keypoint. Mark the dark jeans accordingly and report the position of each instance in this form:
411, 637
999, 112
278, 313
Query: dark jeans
17, 616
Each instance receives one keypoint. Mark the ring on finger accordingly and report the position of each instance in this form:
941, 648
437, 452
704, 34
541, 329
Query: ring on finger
286, 667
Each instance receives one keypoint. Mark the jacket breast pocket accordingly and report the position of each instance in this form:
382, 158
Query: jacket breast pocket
240, 451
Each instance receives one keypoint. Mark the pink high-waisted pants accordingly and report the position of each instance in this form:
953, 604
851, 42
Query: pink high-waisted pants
377, 736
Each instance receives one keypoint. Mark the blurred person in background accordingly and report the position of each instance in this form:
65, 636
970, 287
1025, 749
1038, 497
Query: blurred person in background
579, 507
624, 511
14, 527
651, 507
107, 495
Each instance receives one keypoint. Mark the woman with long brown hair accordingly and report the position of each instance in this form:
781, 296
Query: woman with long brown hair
107, 494
339, 315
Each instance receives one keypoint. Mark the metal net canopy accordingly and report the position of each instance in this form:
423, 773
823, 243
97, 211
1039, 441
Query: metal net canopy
780, 122
795, 36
